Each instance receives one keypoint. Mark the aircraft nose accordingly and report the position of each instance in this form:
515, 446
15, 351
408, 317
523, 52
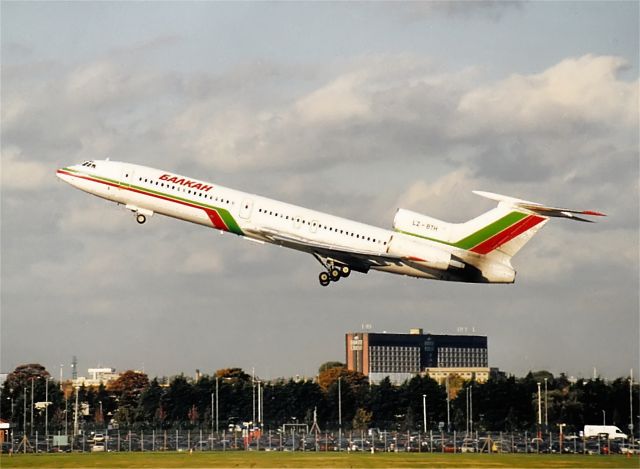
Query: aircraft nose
63, 174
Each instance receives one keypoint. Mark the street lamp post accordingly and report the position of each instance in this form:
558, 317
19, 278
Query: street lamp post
546, 420
24, 412
253, 396
259, 421
448, 412
216, 404
213, 416
467, 409
471, 407
339, 414
66, 414
539, 412
604, 417
46, 409
561, 426
630, 404
31, 425
11, 398
424, 413
261, 397
75, 417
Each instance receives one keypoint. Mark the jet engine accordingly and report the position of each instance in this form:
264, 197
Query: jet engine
421, 253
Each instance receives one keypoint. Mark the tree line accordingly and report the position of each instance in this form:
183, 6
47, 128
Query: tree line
503, 403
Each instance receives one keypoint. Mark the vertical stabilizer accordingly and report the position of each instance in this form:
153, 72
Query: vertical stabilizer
502, 231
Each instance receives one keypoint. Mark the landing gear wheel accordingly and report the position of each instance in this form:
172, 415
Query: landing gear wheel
335, 274
140, 218
345, 271
324, 279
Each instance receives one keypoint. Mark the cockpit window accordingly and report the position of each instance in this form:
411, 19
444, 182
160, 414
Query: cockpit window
89, 164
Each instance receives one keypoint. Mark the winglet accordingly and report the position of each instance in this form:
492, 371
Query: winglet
541, 209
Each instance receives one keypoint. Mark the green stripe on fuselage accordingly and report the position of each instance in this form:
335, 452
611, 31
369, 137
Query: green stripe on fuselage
224, 213
481, 235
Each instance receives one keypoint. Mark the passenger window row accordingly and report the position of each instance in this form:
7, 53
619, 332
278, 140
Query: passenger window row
188, 191
323, 227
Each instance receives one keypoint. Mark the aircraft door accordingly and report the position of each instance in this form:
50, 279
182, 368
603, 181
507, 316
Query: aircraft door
246, 208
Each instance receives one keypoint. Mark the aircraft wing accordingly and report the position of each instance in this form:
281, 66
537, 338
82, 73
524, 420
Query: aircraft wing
358, 260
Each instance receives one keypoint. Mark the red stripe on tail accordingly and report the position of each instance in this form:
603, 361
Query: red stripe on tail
507, 235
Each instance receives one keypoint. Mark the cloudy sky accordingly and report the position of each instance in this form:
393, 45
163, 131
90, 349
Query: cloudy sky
355, 109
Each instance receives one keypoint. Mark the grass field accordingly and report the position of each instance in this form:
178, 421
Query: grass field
290, 460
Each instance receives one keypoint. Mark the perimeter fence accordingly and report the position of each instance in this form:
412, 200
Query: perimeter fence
301, 439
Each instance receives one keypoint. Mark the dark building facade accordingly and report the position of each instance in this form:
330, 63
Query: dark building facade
401, 356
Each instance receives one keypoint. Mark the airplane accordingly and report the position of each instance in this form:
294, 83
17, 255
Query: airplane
476, 251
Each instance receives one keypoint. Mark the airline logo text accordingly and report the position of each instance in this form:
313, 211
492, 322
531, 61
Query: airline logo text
185, 182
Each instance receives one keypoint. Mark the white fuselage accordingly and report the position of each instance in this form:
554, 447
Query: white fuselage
147, 191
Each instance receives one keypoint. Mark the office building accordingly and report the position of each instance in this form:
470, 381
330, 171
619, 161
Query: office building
402, 356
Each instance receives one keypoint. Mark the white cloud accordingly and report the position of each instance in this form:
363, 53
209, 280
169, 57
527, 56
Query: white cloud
207, 261
94, 216
22, 174
335, 102
449, 198
576, 92
558, 255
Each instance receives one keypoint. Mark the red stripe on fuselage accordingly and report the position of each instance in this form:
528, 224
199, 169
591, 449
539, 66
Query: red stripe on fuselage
416, 259
216, 219
507, 235
80, 176
213, 215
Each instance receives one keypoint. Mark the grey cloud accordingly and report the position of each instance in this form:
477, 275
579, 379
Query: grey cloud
486, 9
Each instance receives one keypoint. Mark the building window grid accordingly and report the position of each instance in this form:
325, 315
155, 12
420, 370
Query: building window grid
460, 357
394, 359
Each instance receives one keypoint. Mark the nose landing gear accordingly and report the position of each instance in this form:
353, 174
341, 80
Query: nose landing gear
141, 213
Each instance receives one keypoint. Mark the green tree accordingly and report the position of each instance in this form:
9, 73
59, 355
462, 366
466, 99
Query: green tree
411, 400
233, 374
382, 402
18, 386
178, 400
149, 404
127, 390
331, 364
362, 419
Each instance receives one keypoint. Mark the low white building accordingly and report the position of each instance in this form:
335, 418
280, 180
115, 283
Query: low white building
97, 376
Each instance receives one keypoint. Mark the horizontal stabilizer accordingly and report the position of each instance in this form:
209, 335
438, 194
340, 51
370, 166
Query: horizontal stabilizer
541, 209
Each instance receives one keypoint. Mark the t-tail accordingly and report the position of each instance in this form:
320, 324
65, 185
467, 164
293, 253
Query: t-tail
487, 243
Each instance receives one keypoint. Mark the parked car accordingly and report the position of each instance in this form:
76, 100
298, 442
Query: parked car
630, 449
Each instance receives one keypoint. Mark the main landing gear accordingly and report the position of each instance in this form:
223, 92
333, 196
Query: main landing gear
333, 274
140, 218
